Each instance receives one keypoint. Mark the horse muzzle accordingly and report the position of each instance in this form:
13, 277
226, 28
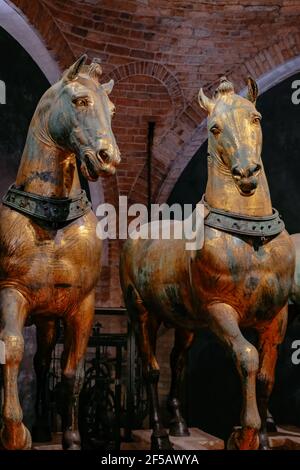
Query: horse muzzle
108, 160
246, 178
247, 186
101, 163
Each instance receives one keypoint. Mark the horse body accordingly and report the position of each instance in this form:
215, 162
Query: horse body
233, 281
50, 259
226, 269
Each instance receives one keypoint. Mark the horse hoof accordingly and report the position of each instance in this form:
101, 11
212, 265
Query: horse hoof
71, 440
243, 439
16, 439
28, 440
160, 443
179, 429
264, 447
263, 442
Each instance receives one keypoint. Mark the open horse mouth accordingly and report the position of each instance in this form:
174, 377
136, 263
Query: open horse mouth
97, 165
247, 186
107, 165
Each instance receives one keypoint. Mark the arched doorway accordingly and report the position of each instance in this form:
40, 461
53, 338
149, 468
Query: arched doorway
25, 84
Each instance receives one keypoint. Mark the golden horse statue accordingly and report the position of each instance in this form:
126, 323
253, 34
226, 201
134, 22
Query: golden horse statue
241, 277
49, 251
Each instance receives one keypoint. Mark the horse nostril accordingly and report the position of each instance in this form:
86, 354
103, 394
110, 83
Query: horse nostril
237, 172
103, 156
254, 169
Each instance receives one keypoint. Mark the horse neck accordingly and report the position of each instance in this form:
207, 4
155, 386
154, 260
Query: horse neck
222, 193
46, 169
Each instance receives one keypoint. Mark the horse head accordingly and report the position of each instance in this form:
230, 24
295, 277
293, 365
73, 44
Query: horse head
79, 118
235, 137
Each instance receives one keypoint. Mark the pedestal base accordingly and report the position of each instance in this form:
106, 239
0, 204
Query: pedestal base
198, 440
55, 443
286, 438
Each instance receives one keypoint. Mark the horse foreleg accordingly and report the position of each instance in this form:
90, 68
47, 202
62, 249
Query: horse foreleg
77, 332
183, 340
46, 332
268, 340
147, 327
223, 321
13, 312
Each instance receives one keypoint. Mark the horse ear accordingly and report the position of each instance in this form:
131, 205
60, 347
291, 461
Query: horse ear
75, 68
107, 87
205, 102
252, 90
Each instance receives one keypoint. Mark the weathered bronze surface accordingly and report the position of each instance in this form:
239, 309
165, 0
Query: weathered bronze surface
49, 272
230, 283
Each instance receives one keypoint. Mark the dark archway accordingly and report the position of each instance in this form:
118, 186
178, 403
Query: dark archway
25, 84
214, 395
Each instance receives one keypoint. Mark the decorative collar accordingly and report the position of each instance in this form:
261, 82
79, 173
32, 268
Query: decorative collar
263, 227
53, 211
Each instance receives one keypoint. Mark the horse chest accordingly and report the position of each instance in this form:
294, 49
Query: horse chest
254, 280
70, 255
54, 268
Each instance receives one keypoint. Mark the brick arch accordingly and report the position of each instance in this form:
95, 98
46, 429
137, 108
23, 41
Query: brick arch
173, 153
40, 17
154, 70
161, 74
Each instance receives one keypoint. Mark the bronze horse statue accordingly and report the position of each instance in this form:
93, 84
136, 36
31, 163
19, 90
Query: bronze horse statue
241, 277
49, 251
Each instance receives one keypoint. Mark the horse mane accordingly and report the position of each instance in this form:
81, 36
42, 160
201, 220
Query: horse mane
94, 71
225, 88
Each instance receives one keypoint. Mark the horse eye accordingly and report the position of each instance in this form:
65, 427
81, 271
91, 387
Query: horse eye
215, 130
80, 102
256, 120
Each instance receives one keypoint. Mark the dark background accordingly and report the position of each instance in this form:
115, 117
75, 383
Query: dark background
213, 385
25, 84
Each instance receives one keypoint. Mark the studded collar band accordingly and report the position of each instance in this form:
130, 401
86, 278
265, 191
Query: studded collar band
263, 227
53, 211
